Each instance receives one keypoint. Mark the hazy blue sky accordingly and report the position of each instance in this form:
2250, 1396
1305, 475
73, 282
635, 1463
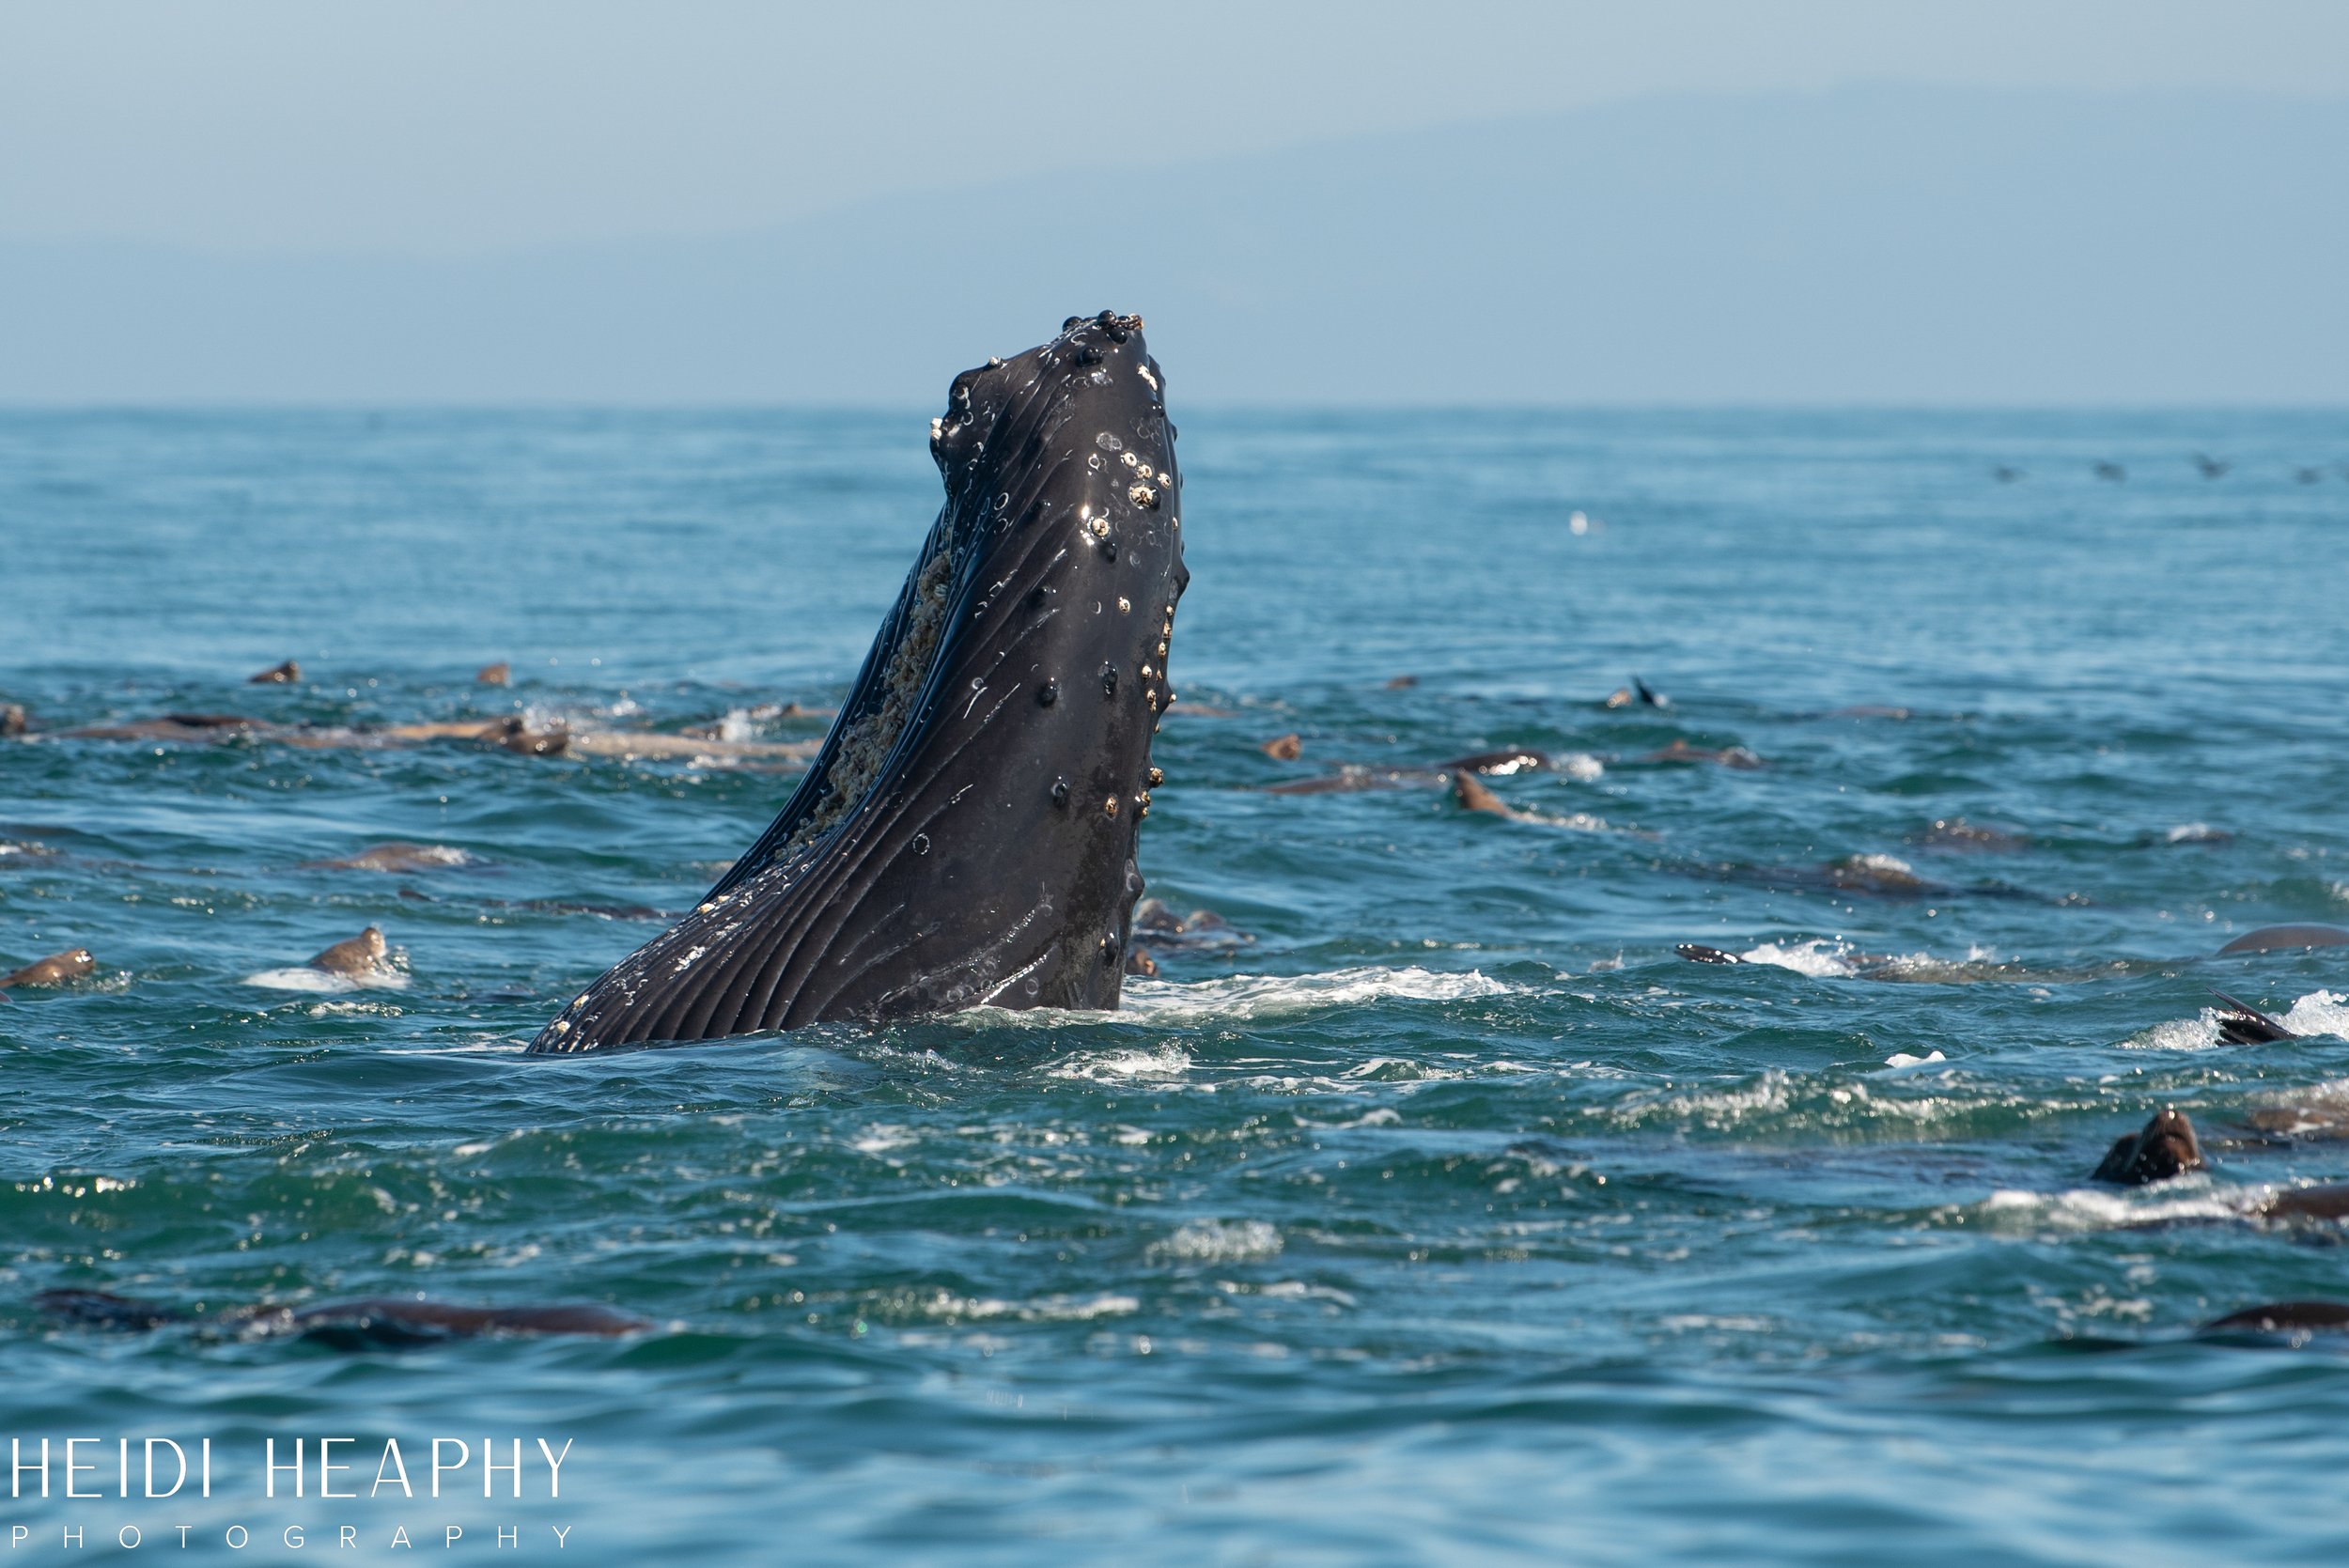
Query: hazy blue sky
448, 127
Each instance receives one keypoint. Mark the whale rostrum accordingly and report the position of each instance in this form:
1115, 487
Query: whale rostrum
967, 834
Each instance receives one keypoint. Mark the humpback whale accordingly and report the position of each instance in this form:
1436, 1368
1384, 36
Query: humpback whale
966, 835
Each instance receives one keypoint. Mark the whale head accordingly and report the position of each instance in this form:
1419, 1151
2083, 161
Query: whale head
967, 834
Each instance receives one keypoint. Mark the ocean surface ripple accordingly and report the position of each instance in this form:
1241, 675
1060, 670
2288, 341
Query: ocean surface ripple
1440, 1212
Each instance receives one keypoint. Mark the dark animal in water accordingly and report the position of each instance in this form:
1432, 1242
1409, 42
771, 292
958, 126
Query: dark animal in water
2164, 1147
55, 970
967, 832
370, 1323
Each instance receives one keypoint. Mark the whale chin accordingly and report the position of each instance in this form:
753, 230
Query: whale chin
967, 834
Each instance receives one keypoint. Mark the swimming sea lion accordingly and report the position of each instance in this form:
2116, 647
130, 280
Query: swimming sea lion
967, 834
1472, 794
287, 673
2284, 1317
2269, 939
2164, 1147
360, 957
396, 857
1506, 761
55, 970
1726, 756
1956, 833
499, 674
368, 1323
1283, 748
14, 722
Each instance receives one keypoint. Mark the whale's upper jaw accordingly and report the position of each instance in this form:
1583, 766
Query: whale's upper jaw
967, 834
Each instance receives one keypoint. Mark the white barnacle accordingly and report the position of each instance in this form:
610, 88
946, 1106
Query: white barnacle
1128, 459
1147, 377
1100, 527
938, 428
1124, 604
1142, 495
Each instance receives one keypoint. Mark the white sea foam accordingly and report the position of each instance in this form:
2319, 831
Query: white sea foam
1218, 1241
2087, 1209
1579, 766
1256, 996
2318, 1013
321, 982
1903, 1058
1100, 1066
1822, 960
1049, 1309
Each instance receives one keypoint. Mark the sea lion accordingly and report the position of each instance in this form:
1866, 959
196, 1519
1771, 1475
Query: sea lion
1954, 833
373, 1322
2284, 1317
1865, 875
2167, 1147
1199, 928
967, 832
2271, 939
2164, 1147
1725, 756
1352, 778
396, 857
512, 733
14, 722
363, 956
1638, 691
1473, 796
1283, 748
2111, 472
57, 969
1499, 764
2209, 467
287, 673
499, 674
515, 735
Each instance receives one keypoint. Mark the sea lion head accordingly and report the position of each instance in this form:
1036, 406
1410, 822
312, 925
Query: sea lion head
2165, 1147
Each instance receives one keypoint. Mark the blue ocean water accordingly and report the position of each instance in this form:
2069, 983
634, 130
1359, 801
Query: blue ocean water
1449, 1216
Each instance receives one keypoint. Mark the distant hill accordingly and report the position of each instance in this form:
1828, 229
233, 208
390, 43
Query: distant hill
1869, 244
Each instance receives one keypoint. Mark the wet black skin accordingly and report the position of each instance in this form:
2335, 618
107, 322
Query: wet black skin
2165, 1147
990, 858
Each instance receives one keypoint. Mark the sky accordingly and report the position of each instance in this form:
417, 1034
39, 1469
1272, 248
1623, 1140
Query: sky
460, 128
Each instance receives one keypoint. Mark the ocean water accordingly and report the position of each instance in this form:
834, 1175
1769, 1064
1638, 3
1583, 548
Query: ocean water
1447, 1216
